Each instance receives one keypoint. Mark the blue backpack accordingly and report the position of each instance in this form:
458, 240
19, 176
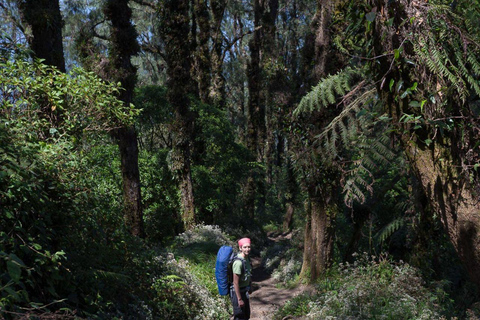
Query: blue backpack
223, 268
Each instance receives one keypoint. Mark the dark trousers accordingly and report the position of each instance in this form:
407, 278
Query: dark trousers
243, 312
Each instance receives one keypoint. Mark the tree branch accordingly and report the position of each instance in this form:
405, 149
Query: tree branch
230, 44
146, 4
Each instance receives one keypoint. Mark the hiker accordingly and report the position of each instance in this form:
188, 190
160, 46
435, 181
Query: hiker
242, 283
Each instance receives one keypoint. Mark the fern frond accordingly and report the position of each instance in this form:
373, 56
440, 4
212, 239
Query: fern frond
387, 231
472, 81
326, 91
337, 124
473, 61
353, 193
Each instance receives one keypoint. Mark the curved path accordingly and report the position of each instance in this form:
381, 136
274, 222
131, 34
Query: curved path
266, 298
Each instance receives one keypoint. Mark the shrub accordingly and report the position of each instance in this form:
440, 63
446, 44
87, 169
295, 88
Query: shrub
193, 274
371, 288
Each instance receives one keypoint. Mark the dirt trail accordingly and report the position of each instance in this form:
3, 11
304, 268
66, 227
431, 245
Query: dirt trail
266, 298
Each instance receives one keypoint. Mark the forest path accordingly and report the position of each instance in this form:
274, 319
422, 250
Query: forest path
266, 298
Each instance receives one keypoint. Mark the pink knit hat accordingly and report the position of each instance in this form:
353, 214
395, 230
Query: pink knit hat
243, 242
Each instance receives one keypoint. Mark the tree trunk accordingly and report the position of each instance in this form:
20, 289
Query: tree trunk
217, 90
44, 17
272, 85
289, 197
451, 198
175, 32
133, 211
320, 228
202, 56
256, 109
438, 166
123, 45
45, 40
319, 236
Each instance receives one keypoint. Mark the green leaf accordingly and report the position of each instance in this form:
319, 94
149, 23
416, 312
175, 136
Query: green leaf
371, 16
414, 104
14, 271
396, 53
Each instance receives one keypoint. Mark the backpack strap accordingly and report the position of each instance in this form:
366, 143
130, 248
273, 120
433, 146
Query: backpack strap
244, 267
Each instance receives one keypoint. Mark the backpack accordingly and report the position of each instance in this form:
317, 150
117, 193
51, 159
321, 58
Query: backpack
223, 268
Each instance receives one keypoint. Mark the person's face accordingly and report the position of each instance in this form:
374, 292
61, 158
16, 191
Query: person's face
245, 249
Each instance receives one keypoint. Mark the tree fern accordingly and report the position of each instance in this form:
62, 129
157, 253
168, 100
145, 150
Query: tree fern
448, 44
387, 231
343, 124
350, 133
326, 92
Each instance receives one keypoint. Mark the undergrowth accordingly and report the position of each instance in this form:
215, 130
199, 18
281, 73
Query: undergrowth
194, 264
372, 288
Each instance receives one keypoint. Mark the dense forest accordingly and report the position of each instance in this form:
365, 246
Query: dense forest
138, 136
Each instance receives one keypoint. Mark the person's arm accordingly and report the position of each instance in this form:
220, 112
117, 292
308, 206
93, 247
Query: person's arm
236, 287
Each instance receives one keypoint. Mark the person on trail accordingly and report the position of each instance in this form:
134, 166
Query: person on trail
242, 283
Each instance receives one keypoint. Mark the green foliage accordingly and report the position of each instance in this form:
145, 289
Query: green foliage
371, 288
83, 101
173, 292
219, 167
160, 197
450, 53
327, 91
59, 227
284, 262
353, 133
196, 252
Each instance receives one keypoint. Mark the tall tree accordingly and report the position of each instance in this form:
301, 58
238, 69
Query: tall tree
255, 109
433, 105
124, 45
175, 26
45, 39
45, 21
272, 84
217, 89
203, 59
321, 179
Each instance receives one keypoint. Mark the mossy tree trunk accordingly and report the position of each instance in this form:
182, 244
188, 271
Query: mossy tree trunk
439, 165
123, 46
322, 178
45, 20
203, 58
45, 40
178, 52
319, 232
273, 85
451, 197
255, 110
217, 92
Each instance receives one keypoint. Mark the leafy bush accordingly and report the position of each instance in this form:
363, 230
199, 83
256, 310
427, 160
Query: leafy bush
371, 288
62, 245
197, 250
220, 165
283, 260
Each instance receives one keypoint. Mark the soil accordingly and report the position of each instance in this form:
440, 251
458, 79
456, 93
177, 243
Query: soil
266, 297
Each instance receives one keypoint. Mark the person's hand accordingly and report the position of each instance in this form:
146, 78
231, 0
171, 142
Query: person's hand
241, 303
